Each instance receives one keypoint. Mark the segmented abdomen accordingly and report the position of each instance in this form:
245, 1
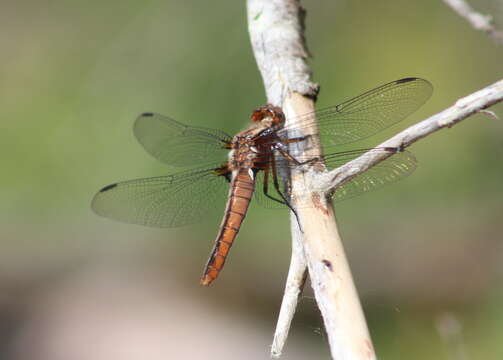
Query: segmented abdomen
240, 193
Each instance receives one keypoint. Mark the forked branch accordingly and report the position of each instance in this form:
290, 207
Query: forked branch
276, 32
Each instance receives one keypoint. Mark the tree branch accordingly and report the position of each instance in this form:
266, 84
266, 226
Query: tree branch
277, 35
464, 107
477, 20
296, 279
276, 32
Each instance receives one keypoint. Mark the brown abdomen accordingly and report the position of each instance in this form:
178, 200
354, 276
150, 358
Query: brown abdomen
240, 193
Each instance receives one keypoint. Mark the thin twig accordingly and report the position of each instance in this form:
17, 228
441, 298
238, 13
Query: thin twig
476, 19
464, 107
297, 274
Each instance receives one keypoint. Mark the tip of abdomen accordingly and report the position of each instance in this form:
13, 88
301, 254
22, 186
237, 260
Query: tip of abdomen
206, 280
209, 275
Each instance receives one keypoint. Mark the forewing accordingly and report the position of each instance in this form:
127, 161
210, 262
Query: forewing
179, 145
366, 114
165, 201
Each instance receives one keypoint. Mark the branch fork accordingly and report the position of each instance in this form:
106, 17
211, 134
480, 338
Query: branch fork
276, 33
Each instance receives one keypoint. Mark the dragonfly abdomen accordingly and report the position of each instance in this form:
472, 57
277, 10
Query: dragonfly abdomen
240, 194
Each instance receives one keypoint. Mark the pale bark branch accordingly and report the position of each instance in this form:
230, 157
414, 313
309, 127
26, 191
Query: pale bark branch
476, 19
464, 107
276, 32
277, 35
297, 274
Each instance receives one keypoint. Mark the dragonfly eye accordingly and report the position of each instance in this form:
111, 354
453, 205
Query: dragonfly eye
272, 114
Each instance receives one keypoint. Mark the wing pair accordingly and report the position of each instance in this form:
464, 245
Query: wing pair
185, 197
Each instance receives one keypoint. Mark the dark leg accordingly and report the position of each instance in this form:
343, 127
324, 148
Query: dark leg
286, 155
266, 186
295, 161
283, 151
313, 160
276, 186
294, 140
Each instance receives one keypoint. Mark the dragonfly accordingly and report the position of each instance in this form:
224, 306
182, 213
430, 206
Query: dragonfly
255, 162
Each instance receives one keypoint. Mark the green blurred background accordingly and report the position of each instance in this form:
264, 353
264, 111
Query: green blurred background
426, 253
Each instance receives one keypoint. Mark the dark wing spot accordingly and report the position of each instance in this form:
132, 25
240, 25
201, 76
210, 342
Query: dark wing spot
147, 114
404, 80
108, 187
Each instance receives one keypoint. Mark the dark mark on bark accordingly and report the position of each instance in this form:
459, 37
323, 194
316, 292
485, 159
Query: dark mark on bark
328, 264
318, 204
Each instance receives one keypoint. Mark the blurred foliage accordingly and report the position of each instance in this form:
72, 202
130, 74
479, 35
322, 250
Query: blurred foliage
74, 75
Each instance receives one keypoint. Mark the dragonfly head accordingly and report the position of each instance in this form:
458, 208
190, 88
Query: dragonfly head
269, 116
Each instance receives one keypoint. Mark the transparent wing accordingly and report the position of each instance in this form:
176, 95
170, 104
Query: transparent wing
165, 201
394, 168
266, 191
366, 114
179, 145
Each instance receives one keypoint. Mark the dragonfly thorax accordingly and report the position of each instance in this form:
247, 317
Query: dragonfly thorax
243, 154
251, 146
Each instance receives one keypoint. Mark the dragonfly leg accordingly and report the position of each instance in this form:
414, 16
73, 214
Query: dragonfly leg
313, 160
287, 155
294, 140
266, 187
276, 186
295, 161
